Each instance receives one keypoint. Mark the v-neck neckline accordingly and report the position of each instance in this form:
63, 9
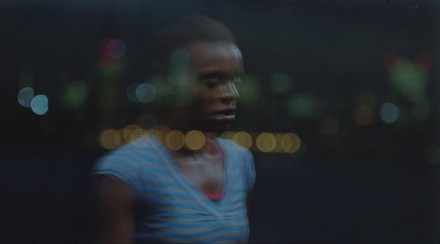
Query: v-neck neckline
191, 188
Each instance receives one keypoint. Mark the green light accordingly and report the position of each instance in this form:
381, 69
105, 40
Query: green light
409, 80
249, 90
303, 105
280, 83
75, 94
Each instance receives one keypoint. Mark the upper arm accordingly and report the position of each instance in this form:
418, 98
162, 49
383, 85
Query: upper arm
117, 205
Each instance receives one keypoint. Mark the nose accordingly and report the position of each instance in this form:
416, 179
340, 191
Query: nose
229, 92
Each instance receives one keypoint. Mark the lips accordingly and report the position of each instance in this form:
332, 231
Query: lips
224, 116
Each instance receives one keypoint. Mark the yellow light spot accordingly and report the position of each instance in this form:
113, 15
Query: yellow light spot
195, 140
175, 140
290, 143
266, 142
159, 131
278, 147
136, 133
110, 139
227, 135
128, 130
243, 139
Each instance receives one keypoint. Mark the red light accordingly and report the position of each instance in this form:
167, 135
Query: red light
424, 61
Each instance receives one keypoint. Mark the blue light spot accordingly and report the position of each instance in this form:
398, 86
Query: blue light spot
145, 92
389, 113
40, 104
25, 96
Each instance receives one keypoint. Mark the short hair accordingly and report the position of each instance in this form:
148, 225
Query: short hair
188, 31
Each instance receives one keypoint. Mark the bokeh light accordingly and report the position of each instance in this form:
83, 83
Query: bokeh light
175, 140
136, 133
409, 80
112, 48
280, 83
75, 94
195, 140
423, 61
110, 139
278, 148
305, 105
290, 143
25, 96
40, 104
243, 139
127, 131
389, 112
160, 130
145, 92
249, 90
266, 142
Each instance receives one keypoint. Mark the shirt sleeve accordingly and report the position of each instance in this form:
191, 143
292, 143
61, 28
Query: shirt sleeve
121, 167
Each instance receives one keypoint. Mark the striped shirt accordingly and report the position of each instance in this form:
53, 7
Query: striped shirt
172, 208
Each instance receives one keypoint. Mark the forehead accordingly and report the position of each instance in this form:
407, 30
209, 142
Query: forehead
214, 56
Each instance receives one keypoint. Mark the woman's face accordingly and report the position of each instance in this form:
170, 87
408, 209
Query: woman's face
217, 68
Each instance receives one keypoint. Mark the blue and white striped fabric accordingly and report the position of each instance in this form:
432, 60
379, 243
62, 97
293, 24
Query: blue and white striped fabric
173, 209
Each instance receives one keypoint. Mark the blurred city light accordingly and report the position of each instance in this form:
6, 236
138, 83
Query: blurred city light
40, 104
280, 83
75, 94
423, 61
249, 90
110, 139
290, 143
389, 112
409, 80
145, 92
175, 140
25, 96
195, 140
304, 105
266, 142
243, 139
112, 48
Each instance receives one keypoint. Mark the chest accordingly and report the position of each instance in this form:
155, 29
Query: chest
204, 170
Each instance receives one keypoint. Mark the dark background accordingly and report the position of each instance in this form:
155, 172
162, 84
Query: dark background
355, 182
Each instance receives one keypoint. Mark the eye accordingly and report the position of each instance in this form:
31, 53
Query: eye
211, 82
